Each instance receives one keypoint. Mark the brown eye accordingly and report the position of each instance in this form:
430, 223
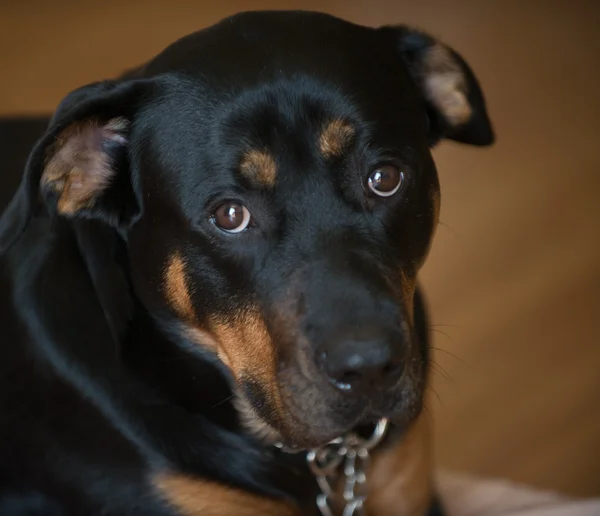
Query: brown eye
231, 217
385, 180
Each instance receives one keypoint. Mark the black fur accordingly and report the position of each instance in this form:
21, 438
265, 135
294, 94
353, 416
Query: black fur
98, 384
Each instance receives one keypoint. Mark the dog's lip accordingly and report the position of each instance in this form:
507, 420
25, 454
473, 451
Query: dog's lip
366, 420
365, 426
295, 447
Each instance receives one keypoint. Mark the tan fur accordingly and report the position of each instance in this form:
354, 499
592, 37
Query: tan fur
259, 166
179, 297
76, 167
253, 423
400, 480
246, 341
335, 138
197, 497
445, 85
241, 341
204, 339
176, 288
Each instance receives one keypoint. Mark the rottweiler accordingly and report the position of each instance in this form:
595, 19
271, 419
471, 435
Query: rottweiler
209, 271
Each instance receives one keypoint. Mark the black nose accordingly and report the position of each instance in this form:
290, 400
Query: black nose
357, 367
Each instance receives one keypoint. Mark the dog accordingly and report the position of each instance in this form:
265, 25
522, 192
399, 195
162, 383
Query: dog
218, 252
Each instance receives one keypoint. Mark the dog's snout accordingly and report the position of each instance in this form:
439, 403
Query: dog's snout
361, 366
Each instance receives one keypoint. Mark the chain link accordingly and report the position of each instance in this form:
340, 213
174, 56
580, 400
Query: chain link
346, 460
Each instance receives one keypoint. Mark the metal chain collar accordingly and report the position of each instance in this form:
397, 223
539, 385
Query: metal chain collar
344, 460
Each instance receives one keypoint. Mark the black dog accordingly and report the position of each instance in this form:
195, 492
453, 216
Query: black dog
219, 251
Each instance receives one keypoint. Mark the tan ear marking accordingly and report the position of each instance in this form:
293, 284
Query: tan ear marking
77, 167
335, 137
445, 85
259, 166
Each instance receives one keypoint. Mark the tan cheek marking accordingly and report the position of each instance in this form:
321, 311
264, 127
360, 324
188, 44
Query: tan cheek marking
445, 85
335, 138
246, 341
179, 297
245, 338
409, 286
253, 423
400, 480
204, 339
196, 497
259, 166
176, 288
404, 288
242, 342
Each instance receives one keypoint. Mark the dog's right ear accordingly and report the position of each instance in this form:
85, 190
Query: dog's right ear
79, 167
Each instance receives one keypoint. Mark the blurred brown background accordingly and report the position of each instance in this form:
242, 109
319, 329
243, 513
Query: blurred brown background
514, 277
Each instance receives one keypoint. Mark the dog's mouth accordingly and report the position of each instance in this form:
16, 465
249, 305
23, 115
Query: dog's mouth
309, 415
323, 434
364, 436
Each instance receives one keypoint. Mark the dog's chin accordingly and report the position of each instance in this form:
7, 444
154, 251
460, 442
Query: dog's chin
297, 431
313, 438
309, 434
312, 419
314, 433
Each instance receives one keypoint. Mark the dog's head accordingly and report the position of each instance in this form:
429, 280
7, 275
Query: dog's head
272, 179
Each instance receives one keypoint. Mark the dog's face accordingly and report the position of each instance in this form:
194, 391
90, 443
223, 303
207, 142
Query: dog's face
273, 181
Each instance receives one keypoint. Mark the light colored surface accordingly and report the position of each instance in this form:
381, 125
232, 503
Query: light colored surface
514, 276
466, 495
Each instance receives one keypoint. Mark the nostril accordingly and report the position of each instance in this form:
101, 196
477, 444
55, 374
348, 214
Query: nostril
359, 366
346, 380
391, 368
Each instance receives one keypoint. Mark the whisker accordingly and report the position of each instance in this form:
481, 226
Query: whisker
451, 354
223, 401
427, 411
452, 232
437, 396
442, 372
441, 332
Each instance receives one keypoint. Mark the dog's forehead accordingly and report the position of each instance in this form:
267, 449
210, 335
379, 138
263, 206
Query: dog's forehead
265, 89
254, 48
285, 129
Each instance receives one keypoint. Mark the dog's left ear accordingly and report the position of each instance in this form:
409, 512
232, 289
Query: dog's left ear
453, 98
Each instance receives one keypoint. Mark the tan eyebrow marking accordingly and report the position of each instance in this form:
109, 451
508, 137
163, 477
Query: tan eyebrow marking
335, 138
259, 165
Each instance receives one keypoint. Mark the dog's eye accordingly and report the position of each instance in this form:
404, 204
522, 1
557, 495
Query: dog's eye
385, 180
231, 217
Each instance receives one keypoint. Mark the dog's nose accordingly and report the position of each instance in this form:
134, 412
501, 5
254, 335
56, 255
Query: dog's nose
357, 367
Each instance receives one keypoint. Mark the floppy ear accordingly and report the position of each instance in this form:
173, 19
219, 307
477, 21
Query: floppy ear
79, 168
454, 101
